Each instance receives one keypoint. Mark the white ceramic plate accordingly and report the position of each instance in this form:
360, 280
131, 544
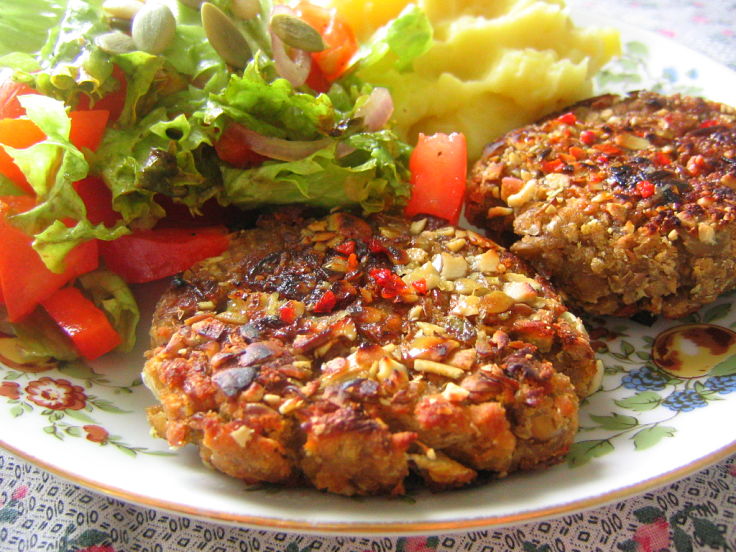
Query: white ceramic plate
646, 428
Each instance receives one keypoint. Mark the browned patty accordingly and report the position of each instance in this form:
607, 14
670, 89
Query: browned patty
343, 353
625, 203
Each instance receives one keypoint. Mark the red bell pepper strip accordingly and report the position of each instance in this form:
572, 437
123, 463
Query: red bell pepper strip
85, 324
24, 278
148, 255
233, 149
97, 199
87, 128
10, 107
438, 168
19, 134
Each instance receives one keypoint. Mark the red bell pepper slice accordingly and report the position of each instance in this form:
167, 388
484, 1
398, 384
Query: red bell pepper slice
87, 128
148, 255
438, 168
10, 107
233, 149
24, 278
85, 324
97, 199
19, 134
337, 35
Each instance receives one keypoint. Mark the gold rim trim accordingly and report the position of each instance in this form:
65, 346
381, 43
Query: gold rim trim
379, 528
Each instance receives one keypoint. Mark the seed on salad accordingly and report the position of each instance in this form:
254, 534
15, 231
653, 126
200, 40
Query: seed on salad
122, 9
224, 36
154, 27
297, 33
245, 9
115, 42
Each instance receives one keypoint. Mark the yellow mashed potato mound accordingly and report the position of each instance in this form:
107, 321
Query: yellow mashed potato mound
495, 64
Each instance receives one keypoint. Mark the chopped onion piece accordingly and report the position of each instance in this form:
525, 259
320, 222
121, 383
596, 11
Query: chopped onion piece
294, 70
280, 149
377, 109
343, 150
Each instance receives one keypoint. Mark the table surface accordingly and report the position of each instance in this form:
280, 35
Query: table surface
39, 511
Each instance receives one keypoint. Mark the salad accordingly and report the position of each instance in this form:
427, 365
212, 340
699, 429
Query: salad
138, 128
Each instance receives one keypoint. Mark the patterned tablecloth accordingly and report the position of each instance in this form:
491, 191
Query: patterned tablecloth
39, 511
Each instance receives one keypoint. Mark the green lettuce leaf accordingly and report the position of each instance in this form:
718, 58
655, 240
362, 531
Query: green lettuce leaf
37, 340
372, 177
70, 60
271, 106
191, 54
53, 243
158, 155
24, 24
51, 166
398, 43
110, 293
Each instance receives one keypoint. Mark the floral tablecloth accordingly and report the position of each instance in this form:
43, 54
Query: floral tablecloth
39, 511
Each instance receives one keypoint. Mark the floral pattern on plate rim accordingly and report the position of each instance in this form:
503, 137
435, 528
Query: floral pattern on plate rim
63, 396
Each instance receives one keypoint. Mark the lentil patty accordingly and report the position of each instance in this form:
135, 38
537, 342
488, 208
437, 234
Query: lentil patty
345, 353
626, 203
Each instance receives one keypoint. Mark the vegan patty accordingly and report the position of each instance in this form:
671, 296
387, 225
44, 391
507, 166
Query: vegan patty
626, 203
345, 353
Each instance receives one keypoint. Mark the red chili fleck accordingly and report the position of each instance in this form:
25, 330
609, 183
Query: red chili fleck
568, 118
662, 159
645, 188
552, 166
421, 286
375, 246
577, 153
390, 283
588, 137
353, 262
602, 159
709, 123
346, 247
326, 303
608, 149
287, 313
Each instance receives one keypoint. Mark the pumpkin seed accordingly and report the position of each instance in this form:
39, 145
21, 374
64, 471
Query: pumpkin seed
115, 42
122, 9
224, 36
153, 28
245, 9
297, 33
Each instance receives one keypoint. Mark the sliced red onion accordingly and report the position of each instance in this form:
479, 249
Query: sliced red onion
377, 109
282, 150
343, 150
296, 69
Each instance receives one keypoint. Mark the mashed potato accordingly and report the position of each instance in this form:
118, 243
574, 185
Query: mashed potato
495, 65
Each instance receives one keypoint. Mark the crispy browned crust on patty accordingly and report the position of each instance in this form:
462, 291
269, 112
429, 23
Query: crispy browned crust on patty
343, 353
626, 205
